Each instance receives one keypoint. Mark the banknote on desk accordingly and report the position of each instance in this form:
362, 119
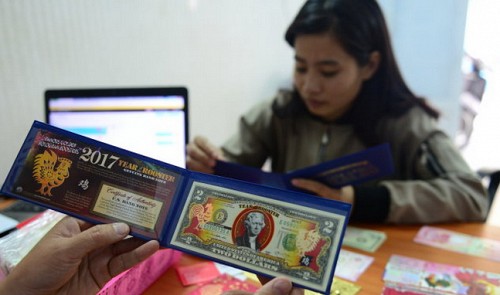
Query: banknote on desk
364, 239
257, 228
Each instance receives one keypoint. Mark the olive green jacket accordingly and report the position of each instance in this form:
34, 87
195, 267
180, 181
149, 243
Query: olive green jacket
431, 183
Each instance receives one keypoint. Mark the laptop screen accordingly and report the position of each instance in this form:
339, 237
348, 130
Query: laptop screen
149, 121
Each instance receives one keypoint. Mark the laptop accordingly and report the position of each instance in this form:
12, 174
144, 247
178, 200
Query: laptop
149, 121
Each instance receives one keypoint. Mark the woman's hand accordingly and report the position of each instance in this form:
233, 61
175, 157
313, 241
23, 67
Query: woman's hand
76, 257
201, 155
345, 194
277, 286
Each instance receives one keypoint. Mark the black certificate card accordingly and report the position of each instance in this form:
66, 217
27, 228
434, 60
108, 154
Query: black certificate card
261, 229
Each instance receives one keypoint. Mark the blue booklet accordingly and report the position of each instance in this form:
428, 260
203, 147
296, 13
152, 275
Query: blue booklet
253, 227
369, 164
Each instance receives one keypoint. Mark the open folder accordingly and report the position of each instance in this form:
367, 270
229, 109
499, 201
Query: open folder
369, 164
264, 230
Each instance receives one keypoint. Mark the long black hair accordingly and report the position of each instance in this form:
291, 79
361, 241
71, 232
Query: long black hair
360, 27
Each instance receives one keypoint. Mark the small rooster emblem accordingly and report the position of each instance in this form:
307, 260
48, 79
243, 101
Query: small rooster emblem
47, 174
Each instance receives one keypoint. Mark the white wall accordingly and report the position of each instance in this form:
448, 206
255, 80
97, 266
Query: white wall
428, 37
230, 54
482, 41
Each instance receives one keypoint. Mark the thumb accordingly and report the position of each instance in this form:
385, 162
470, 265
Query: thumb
277, 286
99, 236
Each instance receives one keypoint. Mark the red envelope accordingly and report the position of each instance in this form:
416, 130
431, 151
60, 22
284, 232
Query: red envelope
197, 273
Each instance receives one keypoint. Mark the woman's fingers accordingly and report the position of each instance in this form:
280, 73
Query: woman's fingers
202, 155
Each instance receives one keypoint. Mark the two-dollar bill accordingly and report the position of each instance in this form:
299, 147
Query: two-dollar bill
261, 229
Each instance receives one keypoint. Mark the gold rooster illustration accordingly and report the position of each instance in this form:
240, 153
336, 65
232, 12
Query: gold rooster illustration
307, 240
47, 174
202, 213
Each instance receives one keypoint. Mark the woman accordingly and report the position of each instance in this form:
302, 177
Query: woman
349, 95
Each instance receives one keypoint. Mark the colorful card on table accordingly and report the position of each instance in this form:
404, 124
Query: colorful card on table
224, 283
372, 163
414, 276
458, 242
352, 265
363, 239
389, 290
341, 287
256, 228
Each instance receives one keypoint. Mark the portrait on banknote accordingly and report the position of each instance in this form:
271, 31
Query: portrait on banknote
253, 228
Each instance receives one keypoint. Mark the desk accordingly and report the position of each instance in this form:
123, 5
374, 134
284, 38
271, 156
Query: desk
5, 202
399, 241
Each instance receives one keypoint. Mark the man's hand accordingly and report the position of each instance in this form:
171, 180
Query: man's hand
76, 257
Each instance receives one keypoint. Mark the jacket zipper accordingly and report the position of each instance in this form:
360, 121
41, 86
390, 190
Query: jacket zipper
325, 140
